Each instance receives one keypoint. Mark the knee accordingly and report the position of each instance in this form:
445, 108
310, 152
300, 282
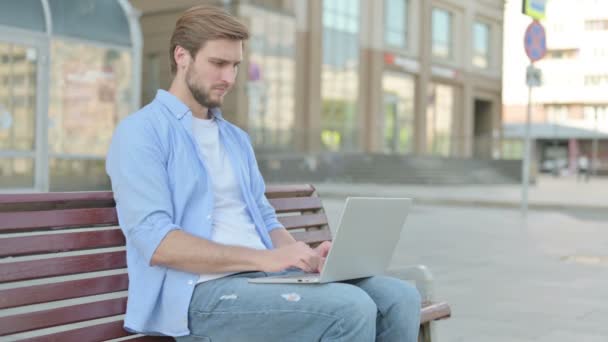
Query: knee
354, 306
354, 313
406, 306
358, 304
410, 296
397, 295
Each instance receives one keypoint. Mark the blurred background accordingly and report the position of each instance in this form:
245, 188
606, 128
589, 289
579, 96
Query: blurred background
392, 91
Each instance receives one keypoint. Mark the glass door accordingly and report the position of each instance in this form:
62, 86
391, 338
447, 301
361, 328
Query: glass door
22, 146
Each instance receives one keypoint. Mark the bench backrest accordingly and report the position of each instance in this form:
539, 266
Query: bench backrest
63, 266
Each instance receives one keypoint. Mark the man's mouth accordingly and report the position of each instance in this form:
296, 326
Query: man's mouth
221, 91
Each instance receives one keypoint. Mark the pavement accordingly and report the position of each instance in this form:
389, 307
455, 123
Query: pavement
553, 193
535, 278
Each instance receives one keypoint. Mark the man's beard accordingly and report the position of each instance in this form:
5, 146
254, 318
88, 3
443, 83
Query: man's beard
200, 95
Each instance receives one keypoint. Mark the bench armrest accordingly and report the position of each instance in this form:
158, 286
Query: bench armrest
419, 274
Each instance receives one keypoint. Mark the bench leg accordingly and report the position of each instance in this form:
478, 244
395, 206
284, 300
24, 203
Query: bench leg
425, 332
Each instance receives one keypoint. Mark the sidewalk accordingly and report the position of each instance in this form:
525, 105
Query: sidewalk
561, 193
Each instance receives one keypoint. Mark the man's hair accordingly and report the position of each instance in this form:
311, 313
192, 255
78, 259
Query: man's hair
200, 24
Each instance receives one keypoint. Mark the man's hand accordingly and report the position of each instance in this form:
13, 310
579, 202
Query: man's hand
297, 254
322, 250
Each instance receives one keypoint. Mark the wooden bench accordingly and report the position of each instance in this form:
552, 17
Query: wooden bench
63, 267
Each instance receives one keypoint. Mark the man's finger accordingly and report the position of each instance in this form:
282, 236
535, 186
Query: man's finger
305, 266
323, 249
321, 264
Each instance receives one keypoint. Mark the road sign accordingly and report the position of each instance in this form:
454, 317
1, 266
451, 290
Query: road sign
535, 8
535, 41
533, 76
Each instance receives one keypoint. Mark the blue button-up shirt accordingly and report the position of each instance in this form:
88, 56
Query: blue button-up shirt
160, 184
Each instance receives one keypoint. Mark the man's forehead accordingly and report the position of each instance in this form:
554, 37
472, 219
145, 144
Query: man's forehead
229, 50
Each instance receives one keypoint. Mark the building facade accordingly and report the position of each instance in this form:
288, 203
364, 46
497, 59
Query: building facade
572, 97
69, 72
394, 76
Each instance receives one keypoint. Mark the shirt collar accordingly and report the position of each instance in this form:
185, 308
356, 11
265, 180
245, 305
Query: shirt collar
178, 108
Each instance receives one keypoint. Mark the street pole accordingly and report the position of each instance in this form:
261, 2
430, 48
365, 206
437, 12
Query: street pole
536, 48
525, 169
594, 161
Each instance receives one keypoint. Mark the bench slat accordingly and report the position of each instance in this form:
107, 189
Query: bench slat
312, 237
152, 339
434, 311
15, 222
34, 269
430, 311
64, 315
100, 332
64, 290
272, 191
296, 204
48, 243
295, 190
303, 221
57, 197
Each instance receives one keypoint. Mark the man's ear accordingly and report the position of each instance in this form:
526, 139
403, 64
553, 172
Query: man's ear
182, 57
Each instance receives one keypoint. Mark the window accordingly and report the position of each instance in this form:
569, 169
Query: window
17, 105
562, 54
596, 80
398, 124
557, 28
442, 38
557, 113
151, 81
596, 25
481, 45
271, 79
395, 23
439, 119
90, 94
339, 75
595, 113
600, 52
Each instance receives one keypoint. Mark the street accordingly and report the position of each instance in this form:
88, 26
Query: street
508, 279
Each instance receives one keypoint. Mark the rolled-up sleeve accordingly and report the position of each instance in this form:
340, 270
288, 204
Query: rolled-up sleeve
136, 165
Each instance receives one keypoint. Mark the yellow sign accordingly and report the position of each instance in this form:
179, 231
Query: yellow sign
535, 8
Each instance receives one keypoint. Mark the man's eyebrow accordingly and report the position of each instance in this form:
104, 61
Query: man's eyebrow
218, 59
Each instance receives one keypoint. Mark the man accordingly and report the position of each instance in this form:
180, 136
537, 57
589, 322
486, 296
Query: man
191, 203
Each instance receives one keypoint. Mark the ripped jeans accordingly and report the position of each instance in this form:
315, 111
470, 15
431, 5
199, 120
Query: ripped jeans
369, 309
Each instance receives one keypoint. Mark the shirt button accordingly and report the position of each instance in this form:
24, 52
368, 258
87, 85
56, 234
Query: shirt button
209, 217
190, 282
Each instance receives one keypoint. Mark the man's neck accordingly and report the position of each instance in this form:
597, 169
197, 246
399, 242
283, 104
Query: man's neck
180, 91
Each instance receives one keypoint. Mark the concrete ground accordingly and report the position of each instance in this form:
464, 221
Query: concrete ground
548, 193
508, 278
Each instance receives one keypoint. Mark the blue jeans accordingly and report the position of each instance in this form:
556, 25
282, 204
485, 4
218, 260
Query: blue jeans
369, 309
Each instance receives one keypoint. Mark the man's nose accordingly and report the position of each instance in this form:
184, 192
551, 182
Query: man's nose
229, 75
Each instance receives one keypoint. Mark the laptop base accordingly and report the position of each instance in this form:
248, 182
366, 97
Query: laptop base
306, 278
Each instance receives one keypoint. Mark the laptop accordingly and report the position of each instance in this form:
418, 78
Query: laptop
367, 234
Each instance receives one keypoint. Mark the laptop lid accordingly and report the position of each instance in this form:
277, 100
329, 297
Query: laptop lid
367, 234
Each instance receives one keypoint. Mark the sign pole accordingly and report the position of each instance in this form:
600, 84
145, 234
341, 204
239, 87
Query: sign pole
536, 48
525, 169
594, 161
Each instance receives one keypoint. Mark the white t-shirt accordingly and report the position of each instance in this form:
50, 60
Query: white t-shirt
232, 224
